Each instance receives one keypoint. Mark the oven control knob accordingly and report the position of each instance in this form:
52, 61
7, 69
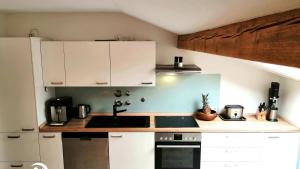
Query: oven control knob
170, 138
185, 138
195, 138
161, 138
190, 138
166, 138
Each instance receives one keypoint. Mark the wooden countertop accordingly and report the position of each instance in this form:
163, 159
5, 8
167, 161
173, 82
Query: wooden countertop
217, 125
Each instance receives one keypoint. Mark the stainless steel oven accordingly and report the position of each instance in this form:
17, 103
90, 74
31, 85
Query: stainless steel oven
177, 150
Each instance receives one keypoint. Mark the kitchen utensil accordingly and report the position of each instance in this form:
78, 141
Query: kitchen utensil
234, 111
83, 110
261, 114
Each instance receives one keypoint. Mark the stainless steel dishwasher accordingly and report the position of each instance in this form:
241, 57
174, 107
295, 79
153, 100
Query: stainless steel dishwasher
85, 150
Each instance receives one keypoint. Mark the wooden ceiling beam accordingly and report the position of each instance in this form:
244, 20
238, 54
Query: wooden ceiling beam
270, 39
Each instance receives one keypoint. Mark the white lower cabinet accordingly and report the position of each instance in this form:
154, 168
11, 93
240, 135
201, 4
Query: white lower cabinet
230, 165
131, 150
51, 150
280, 150
19, 147
16, 165
249, 150
231, 154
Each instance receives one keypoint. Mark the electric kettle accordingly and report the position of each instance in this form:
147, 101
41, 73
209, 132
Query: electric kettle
83, 110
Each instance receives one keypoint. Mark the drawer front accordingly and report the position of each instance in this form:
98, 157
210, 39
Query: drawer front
231, 139
51, 150
231, 165
231, 154
16, 165
19, 147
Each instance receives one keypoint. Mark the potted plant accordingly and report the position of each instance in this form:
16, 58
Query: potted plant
206, 113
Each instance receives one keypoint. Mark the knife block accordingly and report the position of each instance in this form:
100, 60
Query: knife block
261, 115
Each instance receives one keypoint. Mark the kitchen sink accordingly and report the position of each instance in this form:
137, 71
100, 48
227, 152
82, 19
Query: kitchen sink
119, 121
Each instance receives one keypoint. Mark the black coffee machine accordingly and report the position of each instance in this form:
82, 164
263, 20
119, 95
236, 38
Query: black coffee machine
273, 101
59, 111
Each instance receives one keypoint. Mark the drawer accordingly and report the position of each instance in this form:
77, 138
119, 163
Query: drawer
19, 147
231, 139
231, 165
16, 165
231, 154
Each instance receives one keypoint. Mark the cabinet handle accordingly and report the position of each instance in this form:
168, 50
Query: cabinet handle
16, 136
146, 83
274, 137
16, 165
52, 136
101, 83
27, 129
57, 83
116, 136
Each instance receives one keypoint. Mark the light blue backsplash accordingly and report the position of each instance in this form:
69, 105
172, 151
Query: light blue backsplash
180, 93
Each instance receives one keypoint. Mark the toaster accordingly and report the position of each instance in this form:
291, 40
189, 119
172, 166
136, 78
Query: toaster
234, 111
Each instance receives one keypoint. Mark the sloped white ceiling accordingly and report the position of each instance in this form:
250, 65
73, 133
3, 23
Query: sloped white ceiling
187, 16
177, 16
285, 71
58, 6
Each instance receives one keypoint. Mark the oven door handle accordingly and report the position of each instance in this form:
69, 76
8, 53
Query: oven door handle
178, 146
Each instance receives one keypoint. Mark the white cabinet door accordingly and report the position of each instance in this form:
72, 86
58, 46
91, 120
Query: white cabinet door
280, 150
132, 63
231, 140
17, 92
231, 165
252, 154
131, 150
53, 61
19, 147
51, 150
17, 165
231, 147
87, 63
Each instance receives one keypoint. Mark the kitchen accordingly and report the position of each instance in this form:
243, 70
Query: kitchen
226, 80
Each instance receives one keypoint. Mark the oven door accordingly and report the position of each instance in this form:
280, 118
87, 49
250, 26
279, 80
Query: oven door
177, 155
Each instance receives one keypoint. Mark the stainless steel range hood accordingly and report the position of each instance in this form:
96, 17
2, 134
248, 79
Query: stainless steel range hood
191, 68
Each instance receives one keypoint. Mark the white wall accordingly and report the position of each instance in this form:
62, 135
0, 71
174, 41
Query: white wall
240, 83
2, 25
290, 100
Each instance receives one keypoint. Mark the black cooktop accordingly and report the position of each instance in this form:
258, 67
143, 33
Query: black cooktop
175, 122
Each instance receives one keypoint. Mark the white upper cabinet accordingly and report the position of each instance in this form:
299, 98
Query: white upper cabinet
132, 63
96, 64
87, 63
53, 61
